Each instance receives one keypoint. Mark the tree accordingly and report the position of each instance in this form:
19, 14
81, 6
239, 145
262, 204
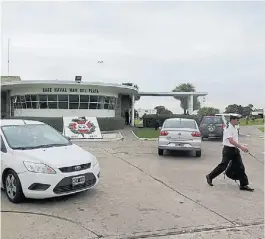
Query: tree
247, 110
186, 87
239, 109
204, 111
162, 110
236, 109
251, 106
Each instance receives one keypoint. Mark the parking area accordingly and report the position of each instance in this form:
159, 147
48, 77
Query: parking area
145, 195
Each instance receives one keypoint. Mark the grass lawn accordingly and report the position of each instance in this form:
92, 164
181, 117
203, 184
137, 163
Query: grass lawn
261, 129
252, 122
146, 133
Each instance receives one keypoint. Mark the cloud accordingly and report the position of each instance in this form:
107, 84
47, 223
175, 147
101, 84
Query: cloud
218, 46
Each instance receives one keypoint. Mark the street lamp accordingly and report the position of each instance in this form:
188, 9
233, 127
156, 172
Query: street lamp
78, 79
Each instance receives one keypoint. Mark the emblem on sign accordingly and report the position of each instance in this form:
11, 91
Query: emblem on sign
81, 126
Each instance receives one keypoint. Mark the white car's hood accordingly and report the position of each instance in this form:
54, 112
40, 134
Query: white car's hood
57, 156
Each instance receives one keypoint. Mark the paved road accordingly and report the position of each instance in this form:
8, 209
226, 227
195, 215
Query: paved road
144, 195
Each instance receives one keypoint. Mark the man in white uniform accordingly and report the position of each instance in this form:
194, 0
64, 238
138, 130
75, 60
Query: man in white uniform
231, 152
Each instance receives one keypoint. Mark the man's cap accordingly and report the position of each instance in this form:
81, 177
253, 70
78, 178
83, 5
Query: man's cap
234, 117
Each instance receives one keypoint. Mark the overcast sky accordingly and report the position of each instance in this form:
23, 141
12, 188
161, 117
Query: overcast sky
217, 46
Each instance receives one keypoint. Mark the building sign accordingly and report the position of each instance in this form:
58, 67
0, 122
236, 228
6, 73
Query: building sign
69, 90
82, 128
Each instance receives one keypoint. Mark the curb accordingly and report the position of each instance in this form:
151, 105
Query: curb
98, 140
147, 139
244, 135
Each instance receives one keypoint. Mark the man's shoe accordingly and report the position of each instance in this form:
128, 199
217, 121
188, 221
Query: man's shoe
246, 188
209, 181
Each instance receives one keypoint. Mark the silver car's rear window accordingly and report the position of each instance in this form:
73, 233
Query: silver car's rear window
190, 124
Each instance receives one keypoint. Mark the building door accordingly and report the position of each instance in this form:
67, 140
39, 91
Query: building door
3, 104
127, 117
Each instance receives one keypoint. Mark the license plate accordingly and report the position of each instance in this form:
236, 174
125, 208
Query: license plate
78, 180
211, 135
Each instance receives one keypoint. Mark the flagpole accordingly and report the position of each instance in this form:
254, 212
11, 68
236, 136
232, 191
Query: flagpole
8, 57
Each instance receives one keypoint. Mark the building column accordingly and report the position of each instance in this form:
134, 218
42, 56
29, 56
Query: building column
190, 104
132, 110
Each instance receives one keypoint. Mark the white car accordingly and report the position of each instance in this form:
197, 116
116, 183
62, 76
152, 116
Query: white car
179, 134
38, 162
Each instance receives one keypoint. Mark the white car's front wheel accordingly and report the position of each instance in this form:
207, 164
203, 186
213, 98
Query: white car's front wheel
13, 187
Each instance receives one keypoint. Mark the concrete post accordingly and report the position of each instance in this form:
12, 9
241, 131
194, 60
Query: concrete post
190, 104
132, 109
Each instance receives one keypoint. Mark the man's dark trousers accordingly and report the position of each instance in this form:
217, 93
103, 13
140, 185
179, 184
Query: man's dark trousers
231, 153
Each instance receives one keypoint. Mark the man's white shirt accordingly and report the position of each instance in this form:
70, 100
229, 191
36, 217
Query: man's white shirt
230, 132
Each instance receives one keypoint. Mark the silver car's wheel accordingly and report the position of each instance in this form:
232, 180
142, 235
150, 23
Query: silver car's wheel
160, 152
13, 187
198, 153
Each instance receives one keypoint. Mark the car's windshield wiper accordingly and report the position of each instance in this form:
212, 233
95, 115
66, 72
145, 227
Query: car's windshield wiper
40, 146
23, 148
49, 145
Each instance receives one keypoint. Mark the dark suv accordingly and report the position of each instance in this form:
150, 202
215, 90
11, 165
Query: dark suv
212, 127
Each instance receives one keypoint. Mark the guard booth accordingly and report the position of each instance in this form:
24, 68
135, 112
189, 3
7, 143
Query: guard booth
6, 109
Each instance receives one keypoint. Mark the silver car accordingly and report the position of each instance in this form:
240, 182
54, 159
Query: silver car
179, 134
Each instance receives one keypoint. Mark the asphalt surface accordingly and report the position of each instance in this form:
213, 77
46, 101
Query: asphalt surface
143, 195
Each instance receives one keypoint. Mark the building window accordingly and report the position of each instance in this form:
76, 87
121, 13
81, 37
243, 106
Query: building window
23, 102
43, 99
28, 101
35, 101
63, 98
84, 98
83, 106
63, 101
93, 99
52, 98
52, 101
62, 105
93, 106
73, 101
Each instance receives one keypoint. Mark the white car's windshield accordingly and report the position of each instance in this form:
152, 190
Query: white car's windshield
30, 136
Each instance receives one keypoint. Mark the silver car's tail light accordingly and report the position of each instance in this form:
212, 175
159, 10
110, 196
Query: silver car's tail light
196, 134
163, 133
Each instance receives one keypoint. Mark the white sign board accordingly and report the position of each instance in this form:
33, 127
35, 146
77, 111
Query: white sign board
81, 127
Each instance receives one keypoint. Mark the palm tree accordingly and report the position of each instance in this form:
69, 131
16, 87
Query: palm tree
186, 87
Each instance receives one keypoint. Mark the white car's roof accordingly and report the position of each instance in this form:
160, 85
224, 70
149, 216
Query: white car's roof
5, 122
228, 114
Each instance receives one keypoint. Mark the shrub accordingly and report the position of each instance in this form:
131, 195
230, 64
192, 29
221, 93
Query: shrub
149, 121
105, 124
111, 123
55, 122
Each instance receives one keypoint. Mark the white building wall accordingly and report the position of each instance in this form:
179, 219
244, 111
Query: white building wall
64, 112
39, 90
141, 112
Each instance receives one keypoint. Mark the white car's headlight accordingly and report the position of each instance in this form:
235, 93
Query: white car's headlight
39, 168
94, 162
